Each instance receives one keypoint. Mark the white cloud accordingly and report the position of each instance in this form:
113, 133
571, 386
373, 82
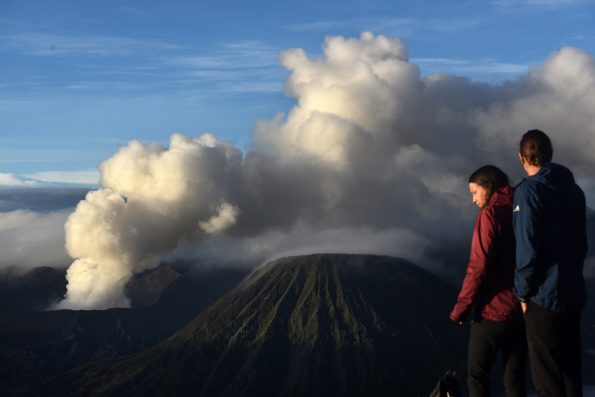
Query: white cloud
247, 66
232, 56
102, 85
539, 3
50, 179
402, 27
87, 177
30, 239
557, 97
13, 180
49, 44
403, 24
303, 239
474, 68
226, 216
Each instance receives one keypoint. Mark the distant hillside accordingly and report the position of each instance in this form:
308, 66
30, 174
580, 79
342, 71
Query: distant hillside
318, 325
36, 345
32, 291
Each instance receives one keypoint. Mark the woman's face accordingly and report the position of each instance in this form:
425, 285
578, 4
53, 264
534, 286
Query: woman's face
479, 194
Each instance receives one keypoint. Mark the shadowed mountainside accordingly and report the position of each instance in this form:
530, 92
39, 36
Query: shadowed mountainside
318, 325
35, 290
36, 345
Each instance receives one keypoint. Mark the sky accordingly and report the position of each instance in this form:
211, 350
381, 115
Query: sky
234, 133
79, 79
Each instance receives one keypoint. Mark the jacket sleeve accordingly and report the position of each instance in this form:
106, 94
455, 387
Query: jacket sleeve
525, 218
482, 246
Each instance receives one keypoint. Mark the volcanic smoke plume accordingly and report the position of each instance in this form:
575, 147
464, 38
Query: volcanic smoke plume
371, 149
151, 198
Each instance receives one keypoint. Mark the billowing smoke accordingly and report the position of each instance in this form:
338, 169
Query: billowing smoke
372, 157
152, 198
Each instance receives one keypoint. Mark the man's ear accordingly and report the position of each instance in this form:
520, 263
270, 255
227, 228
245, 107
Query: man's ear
522, 159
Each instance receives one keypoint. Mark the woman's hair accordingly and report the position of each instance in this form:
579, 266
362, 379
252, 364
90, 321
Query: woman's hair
490, 178
536, 148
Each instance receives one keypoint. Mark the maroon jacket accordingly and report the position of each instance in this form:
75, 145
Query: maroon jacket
489, 279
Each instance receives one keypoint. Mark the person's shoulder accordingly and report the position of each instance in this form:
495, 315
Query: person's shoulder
527, 193
488, 214
526, 186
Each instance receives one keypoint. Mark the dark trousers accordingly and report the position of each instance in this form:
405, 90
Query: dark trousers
488, 338
554, 341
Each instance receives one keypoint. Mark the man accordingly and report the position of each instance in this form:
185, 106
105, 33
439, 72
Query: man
549, 221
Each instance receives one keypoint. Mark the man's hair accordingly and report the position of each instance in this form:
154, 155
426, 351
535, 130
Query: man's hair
490, 178
536, 148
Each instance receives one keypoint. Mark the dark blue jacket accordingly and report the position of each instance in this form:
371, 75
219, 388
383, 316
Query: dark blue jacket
549, 220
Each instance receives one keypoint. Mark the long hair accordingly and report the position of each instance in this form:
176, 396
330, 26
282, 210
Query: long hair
490, 178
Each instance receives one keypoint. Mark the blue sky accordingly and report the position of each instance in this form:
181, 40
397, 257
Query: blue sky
80, 78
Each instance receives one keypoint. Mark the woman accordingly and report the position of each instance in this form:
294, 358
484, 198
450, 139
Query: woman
487, 290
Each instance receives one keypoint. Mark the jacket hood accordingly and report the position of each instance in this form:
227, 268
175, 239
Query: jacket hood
501, 196
554, 176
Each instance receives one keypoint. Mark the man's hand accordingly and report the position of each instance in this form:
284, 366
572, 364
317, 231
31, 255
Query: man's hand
524, 307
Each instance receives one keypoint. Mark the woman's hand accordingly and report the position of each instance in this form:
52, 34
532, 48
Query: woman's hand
459, 317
